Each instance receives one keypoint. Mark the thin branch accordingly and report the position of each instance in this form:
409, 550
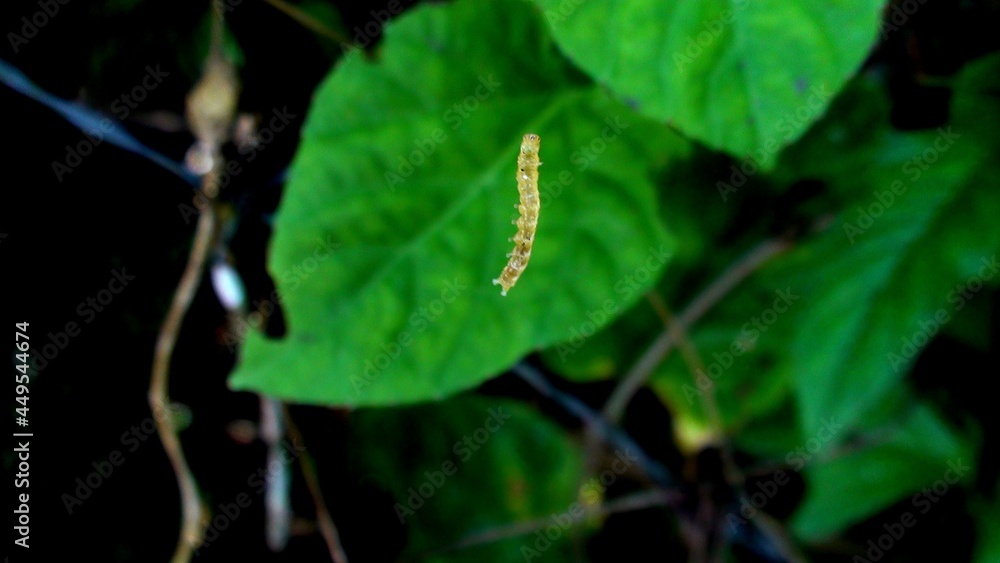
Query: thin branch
327, 527
768, 526
610, 434
689, 352
644, 367
309, 22
195, 514
210, 107
628, 503
278, 502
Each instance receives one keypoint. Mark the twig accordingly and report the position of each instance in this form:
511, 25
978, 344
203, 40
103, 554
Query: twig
644, 367
734, 476
195, 514
768, 526
327, 527
628, 503
210, 106
609, 433
277, 501
309, 22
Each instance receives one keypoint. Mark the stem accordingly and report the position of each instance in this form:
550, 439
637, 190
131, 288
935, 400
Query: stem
595, 424
327, 527
628, 503
644, 367
194, 513
695, 364
309, 22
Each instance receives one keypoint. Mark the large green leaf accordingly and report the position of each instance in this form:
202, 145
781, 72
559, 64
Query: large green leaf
743, 76
407, 166
468, 465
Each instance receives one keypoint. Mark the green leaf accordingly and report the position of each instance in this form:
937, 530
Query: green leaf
744, 77
907, 456
771, 436
465, 466
892, 268
413, 184
875, 288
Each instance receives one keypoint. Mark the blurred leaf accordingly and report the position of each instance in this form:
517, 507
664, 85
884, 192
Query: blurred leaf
878, 283
414, 184
977, 92
771, 436
988, 545
745, 77
845, 488
855, 130
458, 477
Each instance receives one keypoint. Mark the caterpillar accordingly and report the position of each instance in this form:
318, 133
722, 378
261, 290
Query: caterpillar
528, 207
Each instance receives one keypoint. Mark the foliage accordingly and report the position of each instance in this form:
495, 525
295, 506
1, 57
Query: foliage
407, 165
